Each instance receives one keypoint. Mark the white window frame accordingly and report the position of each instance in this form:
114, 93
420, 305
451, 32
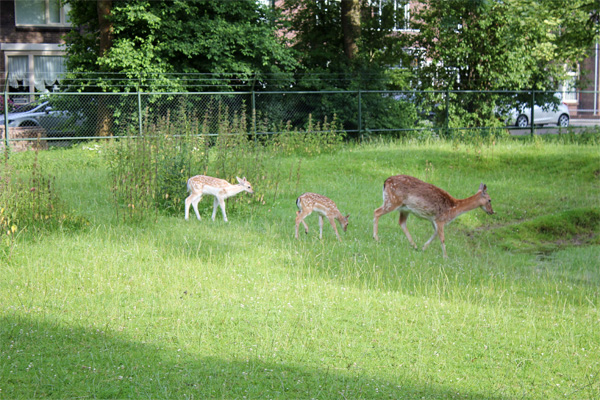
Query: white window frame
406, 13
30, 50
63, 16
569, 93
266, 3
406, 21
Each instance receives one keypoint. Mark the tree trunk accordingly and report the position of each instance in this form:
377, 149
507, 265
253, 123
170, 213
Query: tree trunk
104, 121
350, 26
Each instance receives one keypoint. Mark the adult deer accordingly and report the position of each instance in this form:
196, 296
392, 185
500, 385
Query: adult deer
325, 207
411, 195
200, 185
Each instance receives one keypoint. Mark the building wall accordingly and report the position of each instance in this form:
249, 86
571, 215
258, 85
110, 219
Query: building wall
10, 33
589, 103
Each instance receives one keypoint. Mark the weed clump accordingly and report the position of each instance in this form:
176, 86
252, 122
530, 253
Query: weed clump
149, 171
552, 232
29, 202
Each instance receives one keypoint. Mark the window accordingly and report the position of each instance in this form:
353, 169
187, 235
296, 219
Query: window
404, 24
28, 73
267, 3
400, 9
18, 73
41, 12
569, 89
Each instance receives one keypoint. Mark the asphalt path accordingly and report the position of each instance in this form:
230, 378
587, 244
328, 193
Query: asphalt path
576, 125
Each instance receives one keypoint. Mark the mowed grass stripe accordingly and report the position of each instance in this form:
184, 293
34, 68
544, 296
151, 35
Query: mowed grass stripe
168, 308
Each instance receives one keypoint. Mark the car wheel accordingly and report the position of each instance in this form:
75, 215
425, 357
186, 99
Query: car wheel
522, 121
563, 120
28, 124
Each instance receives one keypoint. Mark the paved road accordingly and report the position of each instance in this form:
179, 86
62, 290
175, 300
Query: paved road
576, 125
585, 122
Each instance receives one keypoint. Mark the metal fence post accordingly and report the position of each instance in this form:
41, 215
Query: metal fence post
139, 107
253, 112
360, 134
447, 119
6, 148
532, 128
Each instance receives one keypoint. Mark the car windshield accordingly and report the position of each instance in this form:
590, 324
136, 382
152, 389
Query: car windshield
26, 108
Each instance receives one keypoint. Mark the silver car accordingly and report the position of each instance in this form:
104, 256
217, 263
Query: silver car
41, 114
549, 113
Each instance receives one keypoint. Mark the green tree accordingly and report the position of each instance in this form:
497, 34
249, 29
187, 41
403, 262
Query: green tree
487, 45
156, 38
350, 26
345, 44
349, 45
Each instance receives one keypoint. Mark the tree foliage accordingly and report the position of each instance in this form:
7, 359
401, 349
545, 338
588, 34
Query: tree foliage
344, 45
485, 45
511, 44
156, 38
350, 45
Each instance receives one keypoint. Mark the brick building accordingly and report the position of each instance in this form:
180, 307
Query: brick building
31, 51
588, 99
32, 56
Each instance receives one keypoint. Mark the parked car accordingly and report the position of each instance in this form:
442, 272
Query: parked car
55, 122
556, 113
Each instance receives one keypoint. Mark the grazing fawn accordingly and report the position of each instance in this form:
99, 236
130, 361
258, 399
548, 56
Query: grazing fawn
411, 195
200, 185
325, 207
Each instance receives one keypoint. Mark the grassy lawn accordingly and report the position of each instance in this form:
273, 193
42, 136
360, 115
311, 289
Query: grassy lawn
168, 308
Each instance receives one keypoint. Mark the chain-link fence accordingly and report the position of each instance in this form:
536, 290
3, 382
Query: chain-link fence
61, 119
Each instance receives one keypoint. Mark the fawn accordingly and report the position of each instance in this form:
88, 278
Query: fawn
411, 195
324, 206
200, 184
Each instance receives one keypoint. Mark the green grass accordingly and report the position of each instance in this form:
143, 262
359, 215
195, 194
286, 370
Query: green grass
168, 308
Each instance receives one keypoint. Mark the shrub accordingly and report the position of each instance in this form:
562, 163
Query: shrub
149, 172
30, 202
316, 138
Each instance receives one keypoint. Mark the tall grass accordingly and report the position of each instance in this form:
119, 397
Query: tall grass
170, 308
149, 171
29, 201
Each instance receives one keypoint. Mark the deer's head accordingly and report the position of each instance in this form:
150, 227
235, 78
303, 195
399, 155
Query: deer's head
485, 201
344, 222
245, 184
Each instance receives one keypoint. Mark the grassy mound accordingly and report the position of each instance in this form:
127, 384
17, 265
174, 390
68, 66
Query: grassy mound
552, 232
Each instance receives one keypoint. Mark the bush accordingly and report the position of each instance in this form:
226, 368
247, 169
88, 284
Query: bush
30, 202
149, 172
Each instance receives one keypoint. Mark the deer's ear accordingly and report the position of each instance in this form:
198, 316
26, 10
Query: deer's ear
347, 216
238, 179
482, 188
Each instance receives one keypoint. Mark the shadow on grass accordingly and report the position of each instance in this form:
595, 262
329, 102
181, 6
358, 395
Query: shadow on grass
42, 359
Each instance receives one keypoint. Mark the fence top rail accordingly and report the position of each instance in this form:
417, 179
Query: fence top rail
135, 93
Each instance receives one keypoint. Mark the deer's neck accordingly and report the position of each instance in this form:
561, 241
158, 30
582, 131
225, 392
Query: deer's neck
233, 190
462, 206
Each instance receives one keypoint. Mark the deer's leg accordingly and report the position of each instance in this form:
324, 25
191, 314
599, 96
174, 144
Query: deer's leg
300, 215
320, 226
435, 233
297, 222
222, 204
332, 222
384, 209
215, 205
402, 222
192, 200
440, 230
188, 203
